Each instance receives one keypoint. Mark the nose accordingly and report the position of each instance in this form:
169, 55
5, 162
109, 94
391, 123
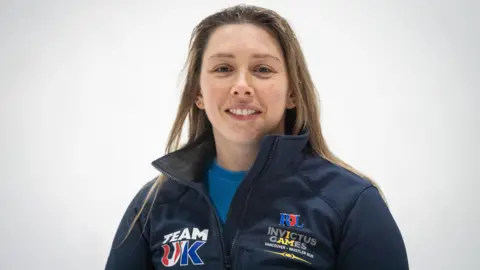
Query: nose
242, 86
241, 91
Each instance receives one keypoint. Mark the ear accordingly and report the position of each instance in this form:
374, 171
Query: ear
291, 100
199, 101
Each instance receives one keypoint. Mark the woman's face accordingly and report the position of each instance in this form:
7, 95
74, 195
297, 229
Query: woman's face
244, 87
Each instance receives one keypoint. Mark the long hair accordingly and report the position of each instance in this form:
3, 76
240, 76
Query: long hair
306, 114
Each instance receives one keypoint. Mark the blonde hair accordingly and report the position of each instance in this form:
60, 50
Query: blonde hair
305, 115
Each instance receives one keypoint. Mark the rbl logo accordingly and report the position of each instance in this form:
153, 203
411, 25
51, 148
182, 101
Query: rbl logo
290, 220
176, 248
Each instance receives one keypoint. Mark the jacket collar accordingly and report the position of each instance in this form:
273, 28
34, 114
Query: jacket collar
277, 152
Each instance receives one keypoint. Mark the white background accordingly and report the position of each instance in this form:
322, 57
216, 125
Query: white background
89, 89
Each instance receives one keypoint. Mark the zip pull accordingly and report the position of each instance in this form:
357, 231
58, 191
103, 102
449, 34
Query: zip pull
228, 262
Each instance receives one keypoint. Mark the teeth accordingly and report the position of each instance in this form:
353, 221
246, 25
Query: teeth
242, 111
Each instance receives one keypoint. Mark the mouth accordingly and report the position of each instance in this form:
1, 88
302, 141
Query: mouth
242, 112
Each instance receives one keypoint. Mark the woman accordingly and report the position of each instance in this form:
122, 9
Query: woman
255, 186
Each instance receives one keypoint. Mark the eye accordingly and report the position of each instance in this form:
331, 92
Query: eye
263, 69
222, 69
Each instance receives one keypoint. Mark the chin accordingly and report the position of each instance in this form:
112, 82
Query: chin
242, 136
245, 136
246, 139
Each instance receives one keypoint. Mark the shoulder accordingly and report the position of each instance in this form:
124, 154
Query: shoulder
337, 186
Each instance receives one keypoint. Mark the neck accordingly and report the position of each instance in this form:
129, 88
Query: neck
234, 156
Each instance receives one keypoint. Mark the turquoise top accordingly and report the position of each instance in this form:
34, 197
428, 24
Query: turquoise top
222, 185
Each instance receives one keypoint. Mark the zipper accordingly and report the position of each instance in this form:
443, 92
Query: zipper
267, 165
227, 261
220, 233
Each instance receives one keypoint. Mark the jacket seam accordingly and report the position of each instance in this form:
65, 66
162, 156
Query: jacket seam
321, 197
349, 212
356, 200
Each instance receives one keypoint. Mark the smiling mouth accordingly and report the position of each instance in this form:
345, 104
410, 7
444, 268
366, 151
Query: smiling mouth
242, 112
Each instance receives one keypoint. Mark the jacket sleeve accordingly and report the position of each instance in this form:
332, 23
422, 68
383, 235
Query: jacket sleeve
134, 252
371, 237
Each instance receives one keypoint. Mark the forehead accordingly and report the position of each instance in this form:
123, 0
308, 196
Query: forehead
242, 39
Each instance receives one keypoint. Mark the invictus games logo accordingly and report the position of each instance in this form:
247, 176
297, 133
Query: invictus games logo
292, 244
182, 246
290, 241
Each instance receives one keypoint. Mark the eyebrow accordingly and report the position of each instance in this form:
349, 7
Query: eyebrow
257, 55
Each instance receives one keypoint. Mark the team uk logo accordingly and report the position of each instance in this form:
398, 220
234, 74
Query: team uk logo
290, 220
182, 246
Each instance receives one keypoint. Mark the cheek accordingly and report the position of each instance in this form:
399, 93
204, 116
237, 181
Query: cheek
212, 93
275, 97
